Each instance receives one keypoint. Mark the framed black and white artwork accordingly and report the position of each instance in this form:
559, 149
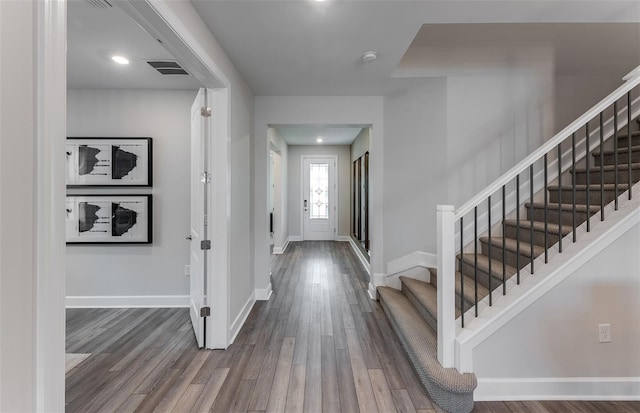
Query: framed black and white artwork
108, 219
112, 162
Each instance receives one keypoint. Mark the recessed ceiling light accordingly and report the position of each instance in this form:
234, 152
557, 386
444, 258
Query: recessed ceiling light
120, 60
319, 140
319, 0
369, 56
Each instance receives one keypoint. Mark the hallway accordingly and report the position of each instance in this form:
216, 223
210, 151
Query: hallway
319, 344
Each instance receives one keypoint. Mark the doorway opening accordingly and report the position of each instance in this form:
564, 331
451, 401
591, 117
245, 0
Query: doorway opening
138, 100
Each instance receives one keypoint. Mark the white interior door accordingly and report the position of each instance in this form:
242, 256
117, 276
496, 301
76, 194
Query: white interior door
319, 198
198, 256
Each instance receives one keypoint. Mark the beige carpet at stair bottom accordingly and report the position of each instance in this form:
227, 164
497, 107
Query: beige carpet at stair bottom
71, 360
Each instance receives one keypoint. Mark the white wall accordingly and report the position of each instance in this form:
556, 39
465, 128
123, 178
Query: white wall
318, 110
493, 121
415, 178
138, 270
32, 128
242, 284
295, 184
17, 207
557, 336
360, 144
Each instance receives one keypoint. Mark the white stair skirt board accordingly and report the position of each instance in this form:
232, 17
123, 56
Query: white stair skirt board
414, 265
531, 288
242, 317
282, 249
127, 301
558, 388
263, 294
358, 251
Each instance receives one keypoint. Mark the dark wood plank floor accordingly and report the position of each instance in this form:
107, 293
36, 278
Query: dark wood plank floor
319, 345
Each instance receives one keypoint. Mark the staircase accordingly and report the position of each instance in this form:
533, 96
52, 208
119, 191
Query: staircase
487, 264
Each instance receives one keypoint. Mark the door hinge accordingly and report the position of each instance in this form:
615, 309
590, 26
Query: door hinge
205, 178
205, 244
205, 112
205, 311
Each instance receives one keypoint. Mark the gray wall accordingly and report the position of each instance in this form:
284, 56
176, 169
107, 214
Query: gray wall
415, 166
557, 336
157, 269
360, 144
343, 179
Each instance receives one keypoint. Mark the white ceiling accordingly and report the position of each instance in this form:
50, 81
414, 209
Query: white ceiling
313, 48
95, 34
307, 134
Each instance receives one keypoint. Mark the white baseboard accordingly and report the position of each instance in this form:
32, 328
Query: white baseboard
282, 249
263, 294
242, 317
558, 388
127, 301
359, 253
344, 238
295, 238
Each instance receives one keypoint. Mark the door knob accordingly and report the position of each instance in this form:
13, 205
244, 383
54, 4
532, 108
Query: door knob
189, 238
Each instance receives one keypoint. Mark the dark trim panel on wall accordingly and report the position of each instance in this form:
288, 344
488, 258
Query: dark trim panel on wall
361, 200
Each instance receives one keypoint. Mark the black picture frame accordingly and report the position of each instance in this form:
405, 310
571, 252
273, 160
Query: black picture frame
117, 219
93, 162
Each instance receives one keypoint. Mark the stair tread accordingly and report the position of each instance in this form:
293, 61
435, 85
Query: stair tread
565, 206
469, 292
539, 226
592, 187
483, 264
424, 292
608, 168
512, 245
420, 343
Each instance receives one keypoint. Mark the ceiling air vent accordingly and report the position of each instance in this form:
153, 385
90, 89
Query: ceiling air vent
100, 4
167, 67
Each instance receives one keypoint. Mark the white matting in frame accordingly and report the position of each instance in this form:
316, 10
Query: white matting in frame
108, 219
109, 162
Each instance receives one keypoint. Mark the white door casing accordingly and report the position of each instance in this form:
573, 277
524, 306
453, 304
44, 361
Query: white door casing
319, 198
197, 230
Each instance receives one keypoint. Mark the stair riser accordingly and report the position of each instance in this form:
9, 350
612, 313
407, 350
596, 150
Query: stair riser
623, 141
483, 276
553, 216
623, 158
430, 319
608, 177
581, 197
525, 235
467, 304
510, 256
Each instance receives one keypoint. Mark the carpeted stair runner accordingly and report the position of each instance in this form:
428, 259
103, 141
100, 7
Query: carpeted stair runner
449, 389
413, 310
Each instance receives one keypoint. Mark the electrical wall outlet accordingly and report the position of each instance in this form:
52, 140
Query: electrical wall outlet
187, 270
604, 333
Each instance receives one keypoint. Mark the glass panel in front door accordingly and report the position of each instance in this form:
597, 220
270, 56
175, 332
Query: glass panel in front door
319, 190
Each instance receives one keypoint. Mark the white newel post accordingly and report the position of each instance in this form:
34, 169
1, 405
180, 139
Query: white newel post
446, 286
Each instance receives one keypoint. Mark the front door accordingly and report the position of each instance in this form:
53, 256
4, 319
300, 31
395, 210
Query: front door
198, 231
319, 198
